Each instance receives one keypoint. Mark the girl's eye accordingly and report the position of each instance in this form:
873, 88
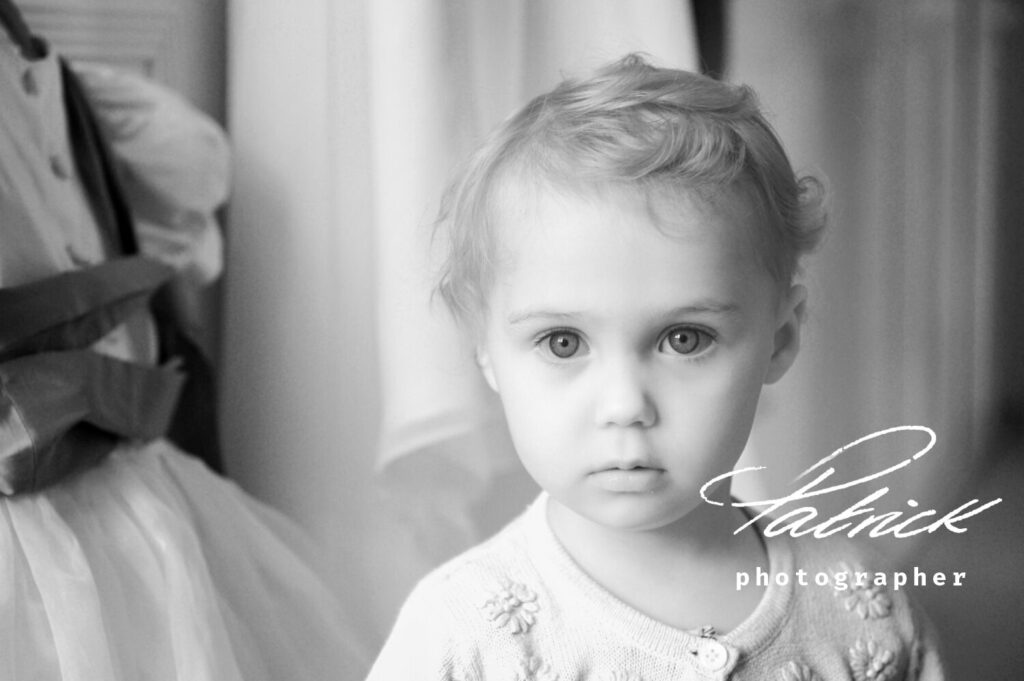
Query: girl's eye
686, 340
563, 344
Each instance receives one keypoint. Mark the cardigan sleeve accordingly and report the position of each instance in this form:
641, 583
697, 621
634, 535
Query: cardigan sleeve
420, 644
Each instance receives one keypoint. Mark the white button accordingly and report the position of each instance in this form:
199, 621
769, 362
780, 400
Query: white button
712, 655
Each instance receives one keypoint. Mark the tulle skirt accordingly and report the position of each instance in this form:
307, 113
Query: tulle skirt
151, 568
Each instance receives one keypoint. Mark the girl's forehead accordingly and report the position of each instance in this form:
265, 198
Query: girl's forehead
521, 205
621, 246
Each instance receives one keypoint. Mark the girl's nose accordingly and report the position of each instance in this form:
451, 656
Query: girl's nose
623, 399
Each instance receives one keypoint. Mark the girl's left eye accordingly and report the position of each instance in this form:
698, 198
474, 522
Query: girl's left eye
686, 340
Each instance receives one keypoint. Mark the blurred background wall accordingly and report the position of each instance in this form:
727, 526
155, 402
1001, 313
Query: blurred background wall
353, 408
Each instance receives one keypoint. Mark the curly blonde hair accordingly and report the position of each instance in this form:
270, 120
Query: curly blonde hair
632, 124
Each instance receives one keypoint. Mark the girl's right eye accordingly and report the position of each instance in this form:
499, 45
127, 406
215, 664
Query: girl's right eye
562, 344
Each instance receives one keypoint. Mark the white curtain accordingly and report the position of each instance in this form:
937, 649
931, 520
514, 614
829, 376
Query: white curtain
346, 118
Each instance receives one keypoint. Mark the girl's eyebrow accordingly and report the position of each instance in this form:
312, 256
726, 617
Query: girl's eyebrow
528, 315
701, 307
706, 307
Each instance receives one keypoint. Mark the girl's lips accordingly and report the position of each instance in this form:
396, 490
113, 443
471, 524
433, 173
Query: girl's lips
629, 481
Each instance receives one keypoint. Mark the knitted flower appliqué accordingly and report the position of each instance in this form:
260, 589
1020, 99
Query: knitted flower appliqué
512, 605
863, 598
870, 603
535, 669
797, 671
871, 661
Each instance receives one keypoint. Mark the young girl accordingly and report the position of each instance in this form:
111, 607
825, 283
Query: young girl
623, 250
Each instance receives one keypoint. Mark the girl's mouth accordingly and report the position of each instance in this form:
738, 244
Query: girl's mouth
634, 480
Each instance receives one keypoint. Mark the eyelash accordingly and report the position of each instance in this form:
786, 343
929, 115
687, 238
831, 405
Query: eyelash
542, 342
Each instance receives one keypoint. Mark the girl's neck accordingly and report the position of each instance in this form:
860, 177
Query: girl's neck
682, 574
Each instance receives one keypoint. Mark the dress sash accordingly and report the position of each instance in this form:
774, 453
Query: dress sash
62, 405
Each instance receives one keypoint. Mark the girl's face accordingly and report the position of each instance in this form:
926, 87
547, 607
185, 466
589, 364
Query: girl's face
629, 359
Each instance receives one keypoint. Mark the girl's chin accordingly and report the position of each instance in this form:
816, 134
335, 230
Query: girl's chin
629, 511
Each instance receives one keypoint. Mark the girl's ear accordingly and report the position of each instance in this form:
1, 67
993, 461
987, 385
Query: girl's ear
789, 319
483, 360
